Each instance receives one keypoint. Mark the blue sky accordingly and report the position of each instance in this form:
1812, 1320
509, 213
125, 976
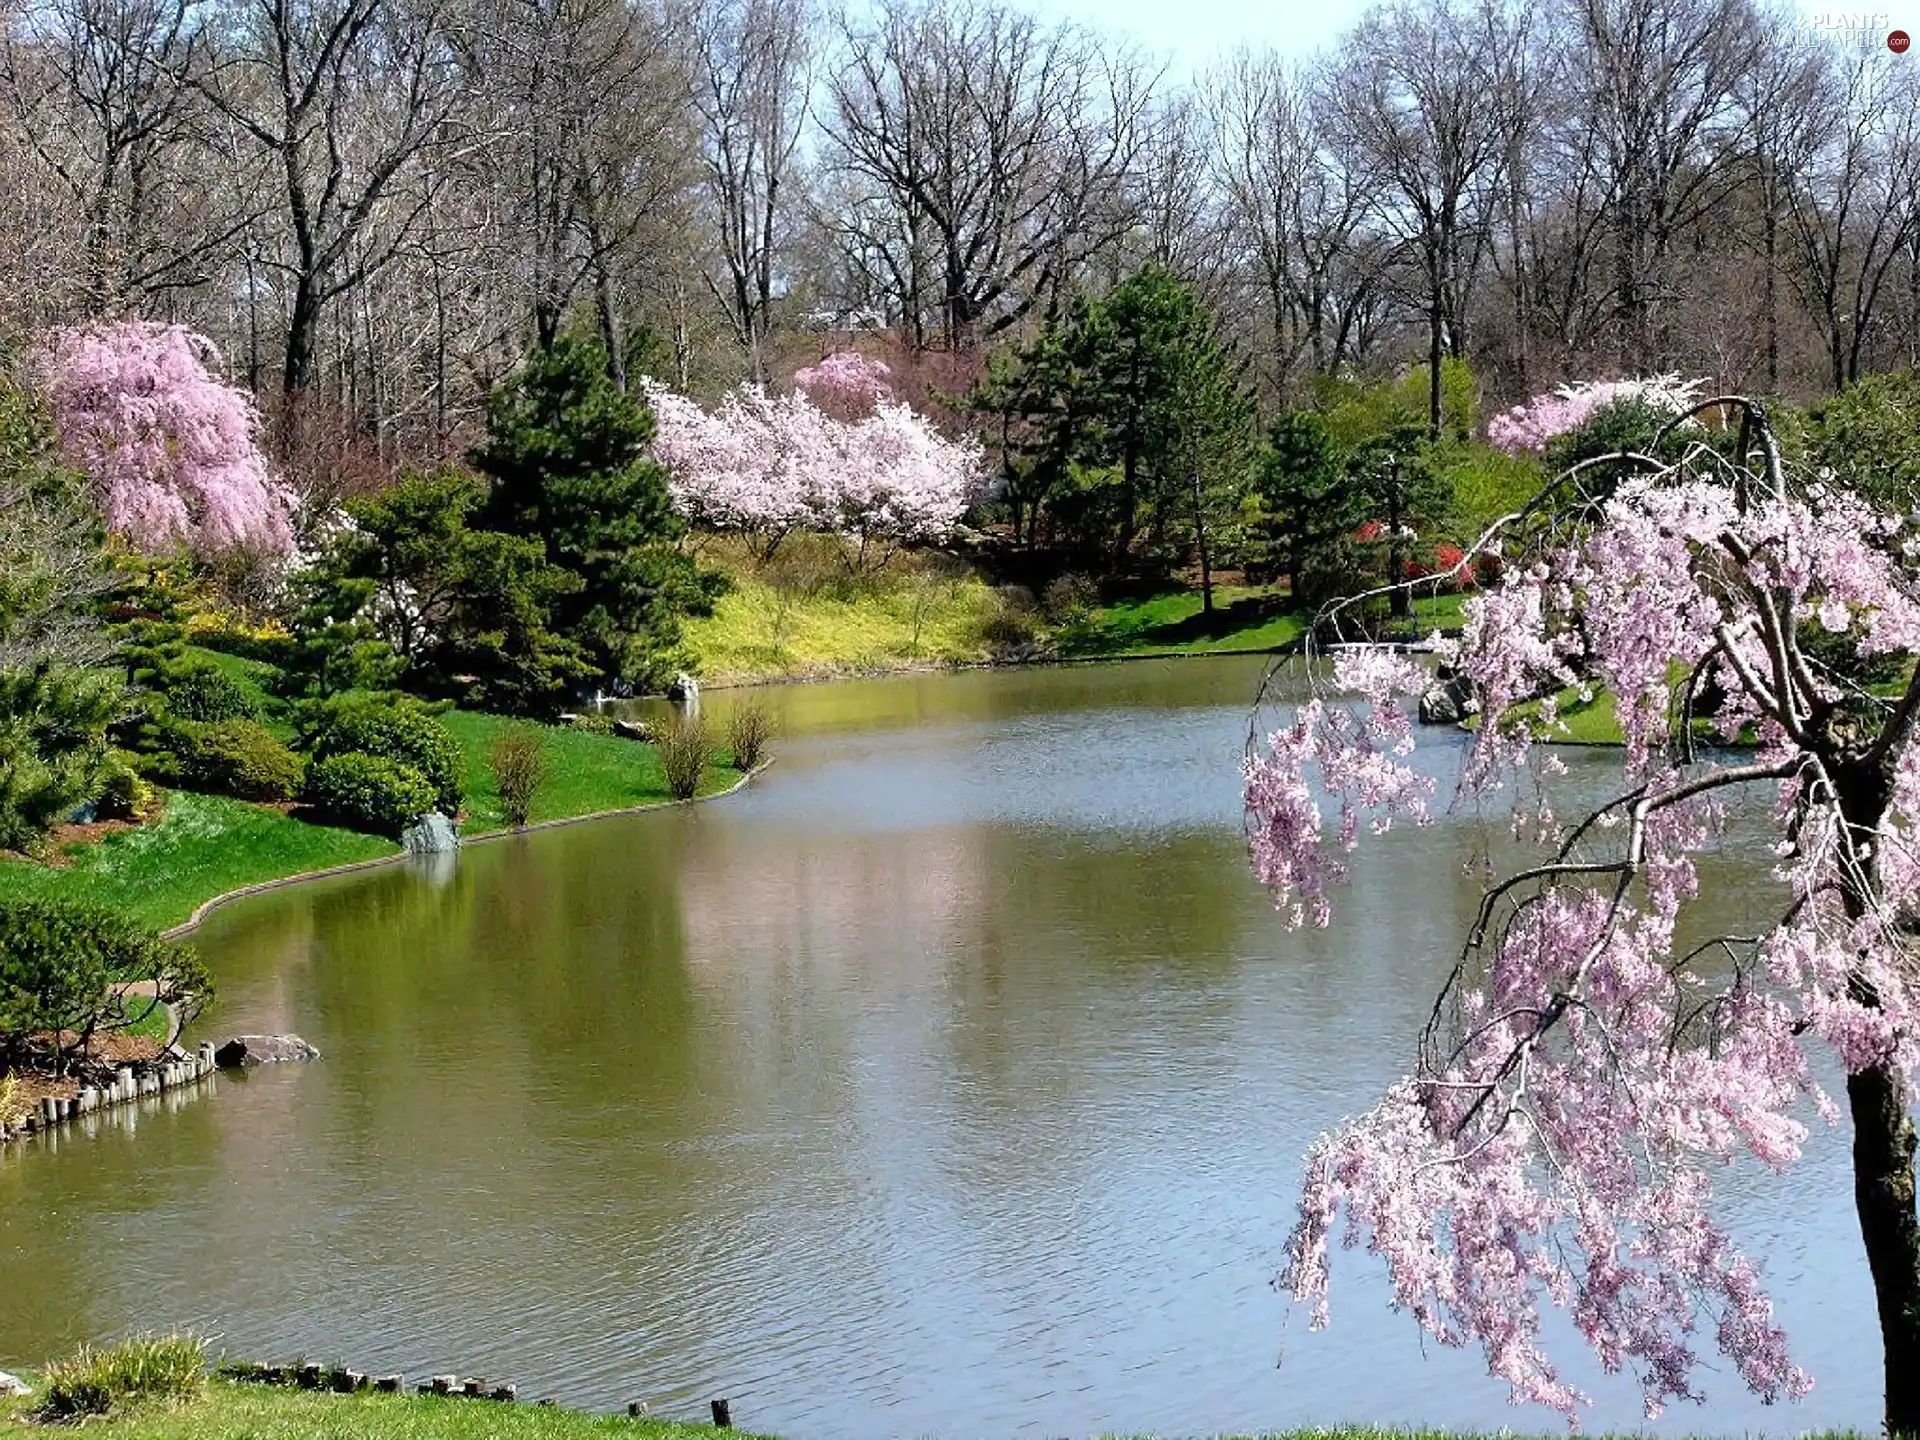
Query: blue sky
1189, 34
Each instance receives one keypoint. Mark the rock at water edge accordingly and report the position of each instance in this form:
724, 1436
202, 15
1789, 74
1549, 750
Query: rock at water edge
431, 834
263, 1050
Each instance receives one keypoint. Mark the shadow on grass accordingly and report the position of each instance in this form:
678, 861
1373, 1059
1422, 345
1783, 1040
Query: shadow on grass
1245, 614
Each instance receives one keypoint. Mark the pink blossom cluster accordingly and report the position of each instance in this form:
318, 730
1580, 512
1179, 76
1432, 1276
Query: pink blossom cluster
846, 384
171, 452
1562, 411
768, 464
1588, 1072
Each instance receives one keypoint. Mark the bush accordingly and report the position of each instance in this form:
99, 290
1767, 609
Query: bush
58, 960
208, 693
368, 792
749, 728
123, 794
240, 758
1070, 600
1013, 623
407, 734
519, 760
53, 746
93, 1382
594, 724
686, 750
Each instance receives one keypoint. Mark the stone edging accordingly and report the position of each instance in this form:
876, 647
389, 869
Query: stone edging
173, 1071
262, 887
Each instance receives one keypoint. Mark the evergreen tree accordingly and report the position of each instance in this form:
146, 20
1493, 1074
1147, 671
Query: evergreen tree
1310, 507
566, 452
1132, 417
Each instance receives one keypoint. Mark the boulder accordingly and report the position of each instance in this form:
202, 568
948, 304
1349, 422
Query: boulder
685, 690
632, 730
431, 834
250, 1050
1446, 702
13, 1385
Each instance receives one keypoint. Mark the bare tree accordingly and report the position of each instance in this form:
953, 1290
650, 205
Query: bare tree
344, 96
1430, 114
1295, 205
1852, 202
986, 158
752, 69
1655, 81
102, 93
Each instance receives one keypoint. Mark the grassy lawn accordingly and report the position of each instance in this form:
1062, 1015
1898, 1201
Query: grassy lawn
201, 846
205, 845
762, 632
256, 1412
259, 1412
1243, 619
586, 772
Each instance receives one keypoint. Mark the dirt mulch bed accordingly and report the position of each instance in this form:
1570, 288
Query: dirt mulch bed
107, 1053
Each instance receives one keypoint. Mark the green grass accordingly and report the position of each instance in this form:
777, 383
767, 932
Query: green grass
1244, 619
202, 846
256, 1412
205, 845
586, 773
762, 632
228, 1411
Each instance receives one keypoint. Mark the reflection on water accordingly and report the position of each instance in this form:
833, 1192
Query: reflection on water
950, 1080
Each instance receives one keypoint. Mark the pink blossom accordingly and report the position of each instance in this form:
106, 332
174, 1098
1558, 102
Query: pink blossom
846, 385
1562, 411
171, 452
769, 464
1589, 1071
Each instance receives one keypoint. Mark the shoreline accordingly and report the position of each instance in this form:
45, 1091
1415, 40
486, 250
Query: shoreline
949, 667
262, 887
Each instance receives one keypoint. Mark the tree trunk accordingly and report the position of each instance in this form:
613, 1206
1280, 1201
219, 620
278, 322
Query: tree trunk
1433, 364
1200, 531
1398, 603
1883, 1193
302, 324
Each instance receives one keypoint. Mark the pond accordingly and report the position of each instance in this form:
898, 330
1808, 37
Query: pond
951, 1079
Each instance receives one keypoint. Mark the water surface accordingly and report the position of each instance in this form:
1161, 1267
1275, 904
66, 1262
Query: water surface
952, 1079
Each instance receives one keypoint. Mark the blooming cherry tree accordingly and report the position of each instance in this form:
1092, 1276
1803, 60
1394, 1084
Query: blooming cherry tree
1594, 1058
1560, 412
171, 452
846, 385
837, 454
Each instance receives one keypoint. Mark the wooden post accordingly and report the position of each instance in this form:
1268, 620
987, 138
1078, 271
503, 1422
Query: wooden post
309, 1377
722, 1415
390, 1384
475, 1389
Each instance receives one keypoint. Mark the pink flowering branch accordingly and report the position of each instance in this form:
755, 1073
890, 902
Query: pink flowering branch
1581, 1076
171, 452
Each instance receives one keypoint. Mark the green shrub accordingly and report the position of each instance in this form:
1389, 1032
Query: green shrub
686, 750
240, 758
519, 763
58, 960
1013, 623
208, 693
594, 724
368, 792
123, 794
93, 1382
749, 728
406, 734
53, 746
